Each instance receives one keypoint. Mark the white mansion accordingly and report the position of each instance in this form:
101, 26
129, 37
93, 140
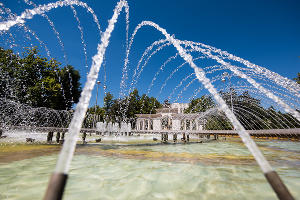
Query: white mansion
170, 118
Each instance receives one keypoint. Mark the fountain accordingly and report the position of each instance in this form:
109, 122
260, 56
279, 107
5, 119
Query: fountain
276, 89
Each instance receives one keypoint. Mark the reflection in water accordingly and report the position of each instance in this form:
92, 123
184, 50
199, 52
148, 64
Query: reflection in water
214, 170
14, 152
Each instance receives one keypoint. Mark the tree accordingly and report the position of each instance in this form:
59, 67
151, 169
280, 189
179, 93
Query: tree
148, 105
297, 79
8, 64
166, 103
93, 115
125, 109
70, 85
97, 110
133, 104
200, 104
108, 102
36, 81
218, 122
214, 122
251, 114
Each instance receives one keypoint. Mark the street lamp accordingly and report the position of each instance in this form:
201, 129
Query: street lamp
98, 83
224, 76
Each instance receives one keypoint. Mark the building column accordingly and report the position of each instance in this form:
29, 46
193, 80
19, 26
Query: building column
176, 124
156, 124
137, 126
143, 124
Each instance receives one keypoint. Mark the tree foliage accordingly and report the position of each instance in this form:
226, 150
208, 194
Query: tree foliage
126, 108
94, 114
36, 81
251, 114
297, 79
201, 104
218, 122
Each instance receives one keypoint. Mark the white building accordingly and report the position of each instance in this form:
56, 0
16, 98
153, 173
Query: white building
170, 118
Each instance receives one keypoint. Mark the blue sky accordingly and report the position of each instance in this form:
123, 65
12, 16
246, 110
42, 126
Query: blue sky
265, 32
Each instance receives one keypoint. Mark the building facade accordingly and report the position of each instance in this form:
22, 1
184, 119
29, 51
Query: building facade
170, 117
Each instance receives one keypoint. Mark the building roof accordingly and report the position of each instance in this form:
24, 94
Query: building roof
167, 110
148, 115
191, 116
174, 112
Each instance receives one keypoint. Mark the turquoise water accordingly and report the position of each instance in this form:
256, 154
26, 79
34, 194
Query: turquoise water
213, 170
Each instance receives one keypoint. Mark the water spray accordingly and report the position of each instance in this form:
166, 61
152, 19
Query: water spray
59, 177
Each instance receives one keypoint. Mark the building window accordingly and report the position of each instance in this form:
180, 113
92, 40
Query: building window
151, 124
201, 124
194, 127
182, 124
188, 124
141, 125
146, 124
166, 123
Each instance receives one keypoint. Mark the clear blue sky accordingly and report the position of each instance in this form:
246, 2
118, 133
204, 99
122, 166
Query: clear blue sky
265, 32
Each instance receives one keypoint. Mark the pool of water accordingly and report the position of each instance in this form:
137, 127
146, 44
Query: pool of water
210, 170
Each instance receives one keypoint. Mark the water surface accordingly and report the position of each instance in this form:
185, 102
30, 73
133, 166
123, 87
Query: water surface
212, 170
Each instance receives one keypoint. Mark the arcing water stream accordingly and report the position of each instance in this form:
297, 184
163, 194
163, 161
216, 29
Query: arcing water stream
65, 157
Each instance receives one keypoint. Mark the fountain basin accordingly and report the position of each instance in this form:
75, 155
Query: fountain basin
210, 170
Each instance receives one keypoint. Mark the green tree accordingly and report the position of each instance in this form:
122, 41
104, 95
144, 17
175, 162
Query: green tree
250, 113
253, 116
8, 63
297, 79
148, 105
218, 122
36, 81
133, 103
108, 102
201, 104
125, 109
93, 115
97, 110
70, 80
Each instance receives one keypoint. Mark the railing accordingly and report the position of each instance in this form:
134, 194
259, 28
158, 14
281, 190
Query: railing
293, 132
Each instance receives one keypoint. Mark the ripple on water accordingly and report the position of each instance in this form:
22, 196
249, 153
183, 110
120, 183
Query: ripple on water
95, 174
